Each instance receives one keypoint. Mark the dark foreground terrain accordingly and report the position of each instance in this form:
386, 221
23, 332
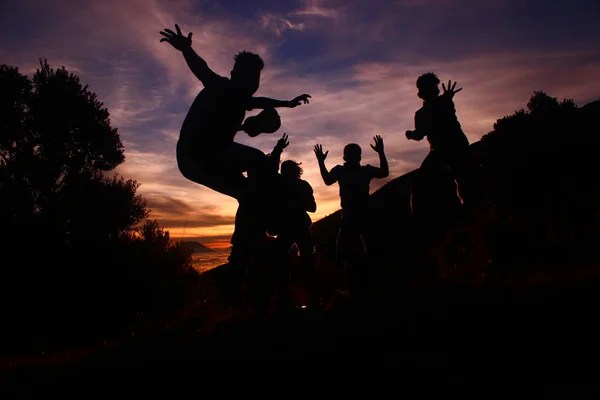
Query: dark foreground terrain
502, 300
489, 340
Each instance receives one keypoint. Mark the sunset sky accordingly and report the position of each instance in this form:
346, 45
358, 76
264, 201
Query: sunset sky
357, 59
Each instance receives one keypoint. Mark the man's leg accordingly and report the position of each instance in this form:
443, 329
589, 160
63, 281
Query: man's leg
352, 253
242, 158
422, 187
281, 269
249, 232
250, 226
464, 171
224, 172
306, 246
436, 187
213, 172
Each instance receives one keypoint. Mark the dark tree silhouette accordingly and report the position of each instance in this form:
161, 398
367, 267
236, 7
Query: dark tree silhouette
74, 257
56, 144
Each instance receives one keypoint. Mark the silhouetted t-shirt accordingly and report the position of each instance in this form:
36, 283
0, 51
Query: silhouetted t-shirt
354, 182
297, 199
214, 118
437, 119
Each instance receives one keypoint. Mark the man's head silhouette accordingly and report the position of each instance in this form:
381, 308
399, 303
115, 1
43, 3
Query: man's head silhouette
352, 153
291, 169
245, 74
428, 86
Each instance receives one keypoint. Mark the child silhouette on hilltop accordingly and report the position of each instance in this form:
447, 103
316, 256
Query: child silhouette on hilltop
206, 151
354, 181
449, 145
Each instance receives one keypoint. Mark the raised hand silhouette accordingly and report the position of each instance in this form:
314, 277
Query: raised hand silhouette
319, 153
298, 100
177, 40
283, 142
378, 144
450, 90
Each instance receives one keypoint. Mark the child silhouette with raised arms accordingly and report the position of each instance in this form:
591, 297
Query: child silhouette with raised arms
449, 145
354, 182
206, 151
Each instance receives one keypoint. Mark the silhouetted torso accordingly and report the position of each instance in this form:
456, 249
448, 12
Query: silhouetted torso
437, 119
298, 199
214, 117
354, 181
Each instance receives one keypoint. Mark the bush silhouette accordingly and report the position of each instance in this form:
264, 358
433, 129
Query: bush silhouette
77, 259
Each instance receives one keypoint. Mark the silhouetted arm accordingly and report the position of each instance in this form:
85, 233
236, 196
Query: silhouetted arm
274, 159
383, 170
199, 67
328, 177
266, 102
420, 131
184, 44
447, 108
275, 155
446, 103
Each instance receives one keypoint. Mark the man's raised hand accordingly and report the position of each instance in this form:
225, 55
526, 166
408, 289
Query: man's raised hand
176, 40
283, 142
450, 90
378, 144
319, 153
298, 100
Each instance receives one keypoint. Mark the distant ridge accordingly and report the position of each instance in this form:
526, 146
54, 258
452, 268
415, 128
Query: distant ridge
197, 247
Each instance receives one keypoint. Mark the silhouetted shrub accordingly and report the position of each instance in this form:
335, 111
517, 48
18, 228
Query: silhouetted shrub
77, 260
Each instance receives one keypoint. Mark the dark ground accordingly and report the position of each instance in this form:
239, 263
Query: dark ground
487, 341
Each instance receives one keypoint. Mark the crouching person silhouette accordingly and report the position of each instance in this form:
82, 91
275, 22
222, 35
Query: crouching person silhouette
354, 182
292, 227
206, 151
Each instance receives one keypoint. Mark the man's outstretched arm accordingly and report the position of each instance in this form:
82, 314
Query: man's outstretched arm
197, 65
418, 133
266, 102
383, 171
327, 176
275, 155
